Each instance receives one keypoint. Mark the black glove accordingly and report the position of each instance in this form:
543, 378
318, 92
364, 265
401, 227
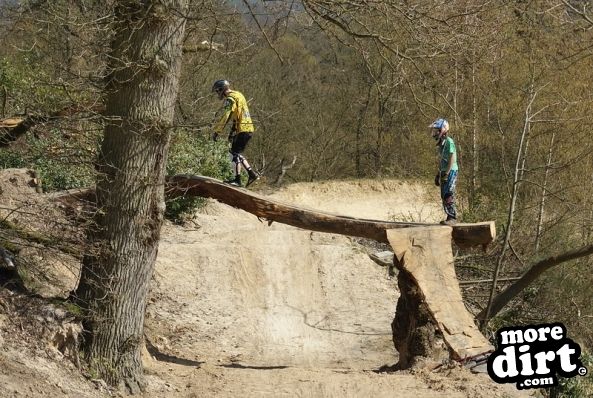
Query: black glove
437, 179
214, 136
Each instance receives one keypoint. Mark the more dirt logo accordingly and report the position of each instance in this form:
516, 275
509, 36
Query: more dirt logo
533, 356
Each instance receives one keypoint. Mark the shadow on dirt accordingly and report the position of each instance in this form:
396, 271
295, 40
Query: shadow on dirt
162, 357
240, 366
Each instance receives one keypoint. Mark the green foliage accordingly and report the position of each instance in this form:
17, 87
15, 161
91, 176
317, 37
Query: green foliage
57, 176
71, 307
62, 162
10, 159
578, 386
27, 84
193, 153
62, 153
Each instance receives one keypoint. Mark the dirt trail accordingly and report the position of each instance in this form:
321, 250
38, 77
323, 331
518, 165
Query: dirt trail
240, 308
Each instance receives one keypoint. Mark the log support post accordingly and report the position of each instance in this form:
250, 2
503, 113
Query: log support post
431, 322
416, 336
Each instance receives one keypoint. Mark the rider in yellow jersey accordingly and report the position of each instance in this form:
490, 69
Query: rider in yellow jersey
235, 109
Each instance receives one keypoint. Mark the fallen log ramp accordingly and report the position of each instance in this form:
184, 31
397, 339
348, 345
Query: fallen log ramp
464, 235
426, 254
423, 250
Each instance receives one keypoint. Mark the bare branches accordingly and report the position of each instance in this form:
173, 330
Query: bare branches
582, 12
263, 32
530, 276
519, 159
13, 128
284, 167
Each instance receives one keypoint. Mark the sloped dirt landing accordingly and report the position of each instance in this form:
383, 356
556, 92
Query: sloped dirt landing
240, 308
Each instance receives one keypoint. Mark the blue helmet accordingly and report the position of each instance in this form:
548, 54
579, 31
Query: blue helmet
439, 123
440, 128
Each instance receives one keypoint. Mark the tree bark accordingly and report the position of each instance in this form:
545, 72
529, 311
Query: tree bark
141, 91
542, 202
431, 321
416, 336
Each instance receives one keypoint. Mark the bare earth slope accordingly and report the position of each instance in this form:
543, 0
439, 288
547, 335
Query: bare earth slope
240, 308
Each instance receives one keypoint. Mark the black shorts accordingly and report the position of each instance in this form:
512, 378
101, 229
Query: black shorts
240, 142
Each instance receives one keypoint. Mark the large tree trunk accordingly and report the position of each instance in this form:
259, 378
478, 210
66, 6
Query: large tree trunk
141, 92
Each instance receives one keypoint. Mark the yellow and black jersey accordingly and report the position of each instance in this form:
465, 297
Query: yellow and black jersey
235, 109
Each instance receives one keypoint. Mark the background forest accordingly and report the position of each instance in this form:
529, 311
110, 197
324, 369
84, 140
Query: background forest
349, 88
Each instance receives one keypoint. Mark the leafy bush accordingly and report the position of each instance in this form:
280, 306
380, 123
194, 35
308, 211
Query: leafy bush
27, 83
61, 163
61, 153
576, 387
11, 160
193, 153
65, 163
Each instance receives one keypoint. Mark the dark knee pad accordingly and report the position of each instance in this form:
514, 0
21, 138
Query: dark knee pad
448, 199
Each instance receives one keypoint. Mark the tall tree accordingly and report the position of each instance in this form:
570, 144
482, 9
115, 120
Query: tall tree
141, 90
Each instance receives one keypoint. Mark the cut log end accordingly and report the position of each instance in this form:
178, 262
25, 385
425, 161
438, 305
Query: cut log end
467, 235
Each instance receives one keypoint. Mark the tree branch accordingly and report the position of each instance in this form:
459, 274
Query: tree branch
531, 275
11, 129
464, 235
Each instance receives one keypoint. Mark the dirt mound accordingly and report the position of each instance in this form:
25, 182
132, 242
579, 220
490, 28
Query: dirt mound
393, 200
17, 185
242, 308
45, 243
38, 339
38, 348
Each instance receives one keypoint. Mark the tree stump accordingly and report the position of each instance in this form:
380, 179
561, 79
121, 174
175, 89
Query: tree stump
431, 322
415, 333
